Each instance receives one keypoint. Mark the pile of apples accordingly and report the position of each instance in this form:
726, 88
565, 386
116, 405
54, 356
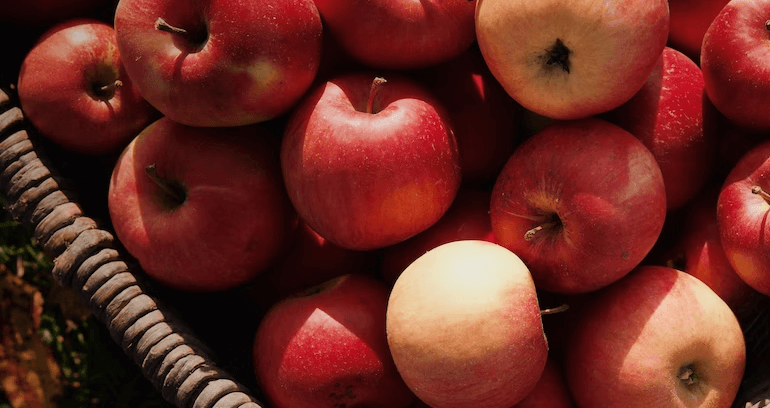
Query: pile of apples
447, 204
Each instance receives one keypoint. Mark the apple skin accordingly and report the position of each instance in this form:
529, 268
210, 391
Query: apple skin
705, 258
64, 105
258, 59
235, 219
571, 70
742, 218
328, 347
689, 20
733, 61
467, 218
485, 118
673, 117
551, 390
464, 327
632, 340
400, 34
365, 180
596, 191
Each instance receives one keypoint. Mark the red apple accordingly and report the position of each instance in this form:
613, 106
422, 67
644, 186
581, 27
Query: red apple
201, 209
74, 91
673, 117
484, 117
464, 327
327, 347
581, 202
689, 21
551, 390
742, 211
573, 59
659, 337
220, 62
309, 261
400, 34
704, 258
467, 218
733, 60
369, 162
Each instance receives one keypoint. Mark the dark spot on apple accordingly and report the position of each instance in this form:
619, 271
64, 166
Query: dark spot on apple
557, 56
625, 255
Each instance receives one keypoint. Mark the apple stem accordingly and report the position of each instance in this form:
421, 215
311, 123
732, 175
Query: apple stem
111, 87
530, 235
152, 171
761, 192
373, 92
162, 25
767, 25
687, 376
554, 310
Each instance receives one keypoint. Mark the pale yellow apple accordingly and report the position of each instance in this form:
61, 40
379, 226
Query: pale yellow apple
569, 59
464, 327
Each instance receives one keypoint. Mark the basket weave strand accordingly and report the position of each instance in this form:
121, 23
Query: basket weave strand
87, 259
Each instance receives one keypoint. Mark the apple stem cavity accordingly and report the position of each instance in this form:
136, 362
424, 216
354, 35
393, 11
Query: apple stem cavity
106, 92
175, 191
761, 192
767, 25
377, 84
687, 376
195, 39
554, 310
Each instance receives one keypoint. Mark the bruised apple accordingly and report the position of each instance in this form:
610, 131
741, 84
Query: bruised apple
464, 327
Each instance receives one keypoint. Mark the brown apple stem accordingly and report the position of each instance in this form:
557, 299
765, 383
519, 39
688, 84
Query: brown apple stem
151, 171
109, 88
554, 310
530, 235
761, 192
687, 376
767, 25
162, 25
373, 91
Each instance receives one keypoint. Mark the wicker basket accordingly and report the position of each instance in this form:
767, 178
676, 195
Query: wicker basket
89, 259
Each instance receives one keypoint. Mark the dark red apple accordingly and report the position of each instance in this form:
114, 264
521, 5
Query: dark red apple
327, 347
400, 34
201, 209
673, 117
734, 58
220, 62
75, 92
581, 202
484, 118
369, 162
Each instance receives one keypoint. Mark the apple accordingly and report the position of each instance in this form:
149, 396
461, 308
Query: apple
581, 202
310, 260
467, 218
571, 59
742, 210
327, 346
400, 34
659, 337
485, 118
370, 161
464, 327
689, 20
74, 91
551, 390
705, 259
733, 60
218, 62
201, 209
673, 117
